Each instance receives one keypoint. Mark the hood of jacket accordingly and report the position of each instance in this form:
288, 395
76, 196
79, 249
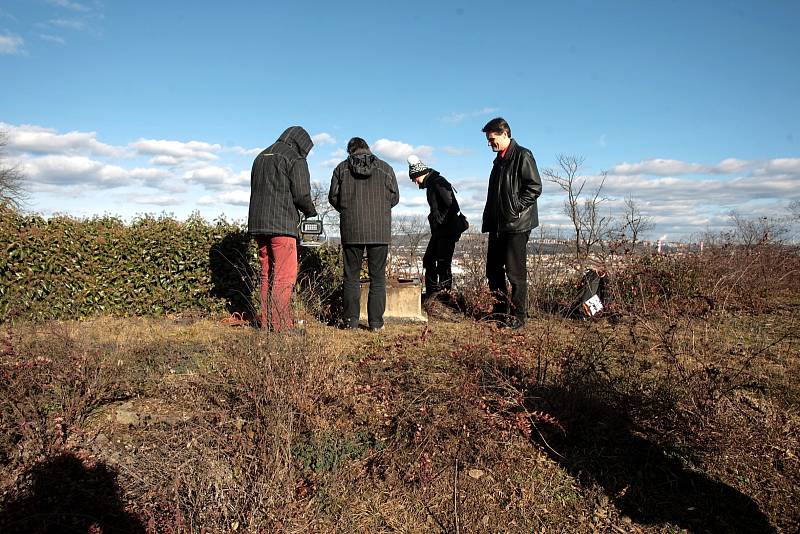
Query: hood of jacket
298, 138
362, 162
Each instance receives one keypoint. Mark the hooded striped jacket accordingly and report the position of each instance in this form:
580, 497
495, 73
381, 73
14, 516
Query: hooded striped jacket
280, 185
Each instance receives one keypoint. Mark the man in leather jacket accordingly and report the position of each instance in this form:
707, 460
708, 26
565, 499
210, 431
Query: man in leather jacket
509, 216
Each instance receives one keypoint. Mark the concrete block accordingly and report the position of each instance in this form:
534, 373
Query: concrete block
403, 302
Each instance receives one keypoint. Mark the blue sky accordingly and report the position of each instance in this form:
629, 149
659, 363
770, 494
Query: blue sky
133, 107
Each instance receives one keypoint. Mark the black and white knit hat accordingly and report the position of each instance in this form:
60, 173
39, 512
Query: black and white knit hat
416, 167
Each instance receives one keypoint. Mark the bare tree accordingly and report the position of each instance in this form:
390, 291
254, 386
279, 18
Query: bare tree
583, 210
567, 179
326, 213
635, 224
594, 226
794, 219
794, 210
409, 233
12, 194
751, 232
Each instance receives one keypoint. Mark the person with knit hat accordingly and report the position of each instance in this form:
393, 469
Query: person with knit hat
444, 222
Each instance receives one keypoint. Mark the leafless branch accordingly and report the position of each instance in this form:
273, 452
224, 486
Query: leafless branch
12, 192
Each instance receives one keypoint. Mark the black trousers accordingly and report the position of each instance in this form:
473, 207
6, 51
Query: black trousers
376, 266
438, 262
506, 256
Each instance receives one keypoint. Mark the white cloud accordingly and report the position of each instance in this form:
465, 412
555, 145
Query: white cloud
672, 167
69, 24
150, 175
52, 38
323, 138
75, 6
243, 177
238, 197
215, 177
167, 152
74, 165
209, 174
415, 201
455, 118
690, 205
779, 166
60, 170
472, 182
167, 161
659, 167
730, 166
337, 156
75, 170
11, 44
85, 17
779, 186
472, 204
29, 138
715, 193
399, 151
156, 200
683, 198
245, 151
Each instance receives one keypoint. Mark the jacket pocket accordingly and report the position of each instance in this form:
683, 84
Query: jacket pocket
517, 205
510, 207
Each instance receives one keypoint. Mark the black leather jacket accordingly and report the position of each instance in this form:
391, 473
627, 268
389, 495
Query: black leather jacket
514, 186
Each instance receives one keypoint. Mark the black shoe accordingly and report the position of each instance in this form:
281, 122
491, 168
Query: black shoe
375, 328
514, 323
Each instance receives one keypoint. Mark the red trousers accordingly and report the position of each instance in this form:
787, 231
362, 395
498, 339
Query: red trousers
278, 256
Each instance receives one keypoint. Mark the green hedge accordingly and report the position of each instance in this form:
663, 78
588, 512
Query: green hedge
67, 268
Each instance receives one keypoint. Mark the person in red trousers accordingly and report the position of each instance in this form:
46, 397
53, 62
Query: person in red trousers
280, 188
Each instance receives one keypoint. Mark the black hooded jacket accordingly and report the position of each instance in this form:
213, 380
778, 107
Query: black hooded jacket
364, 191
443, 204
280, 185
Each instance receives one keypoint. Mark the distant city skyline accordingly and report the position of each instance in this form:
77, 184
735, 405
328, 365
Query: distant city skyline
131, 108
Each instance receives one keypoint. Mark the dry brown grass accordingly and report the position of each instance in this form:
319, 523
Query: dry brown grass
648, 424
